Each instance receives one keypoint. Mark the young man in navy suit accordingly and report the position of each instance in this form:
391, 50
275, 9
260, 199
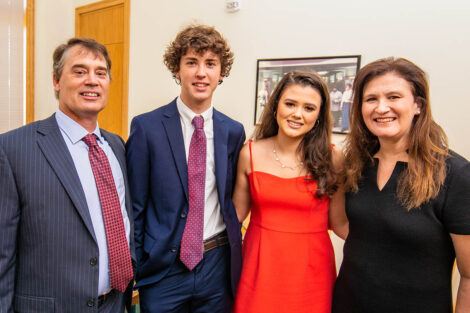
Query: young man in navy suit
182, 160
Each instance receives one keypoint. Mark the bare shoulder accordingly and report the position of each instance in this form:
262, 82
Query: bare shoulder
244, 158
245, 152
260, 150
257, 147
263, 144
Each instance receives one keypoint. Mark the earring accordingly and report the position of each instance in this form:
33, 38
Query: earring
317, 122
419, 111
177, 80
220, 82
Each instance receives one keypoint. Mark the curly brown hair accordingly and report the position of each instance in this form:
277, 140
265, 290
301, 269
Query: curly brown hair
201, 38
427, 150
316, 144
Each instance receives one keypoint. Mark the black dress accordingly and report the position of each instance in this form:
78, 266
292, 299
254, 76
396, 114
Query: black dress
397, 260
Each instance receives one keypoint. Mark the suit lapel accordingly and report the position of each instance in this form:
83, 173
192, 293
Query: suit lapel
220, 154
55, 150
118, 152
172, 125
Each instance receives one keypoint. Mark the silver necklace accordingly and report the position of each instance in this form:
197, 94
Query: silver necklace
276, 157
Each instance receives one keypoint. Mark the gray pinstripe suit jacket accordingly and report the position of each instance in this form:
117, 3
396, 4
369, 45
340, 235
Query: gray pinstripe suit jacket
48, 250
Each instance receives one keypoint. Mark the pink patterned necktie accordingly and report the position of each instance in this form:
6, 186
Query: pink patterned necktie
120, 265
192, 241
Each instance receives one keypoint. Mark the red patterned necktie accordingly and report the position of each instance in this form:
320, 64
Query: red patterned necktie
192, 241
120, 266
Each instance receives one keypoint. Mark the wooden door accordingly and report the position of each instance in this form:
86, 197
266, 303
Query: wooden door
107, 22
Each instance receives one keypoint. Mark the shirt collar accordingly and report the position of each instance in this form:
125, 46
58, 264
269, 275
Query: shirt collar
187, 114
74, 131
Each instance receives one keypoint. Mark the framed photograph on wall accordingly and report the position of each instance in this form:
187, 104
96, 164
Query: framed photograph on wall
337, 71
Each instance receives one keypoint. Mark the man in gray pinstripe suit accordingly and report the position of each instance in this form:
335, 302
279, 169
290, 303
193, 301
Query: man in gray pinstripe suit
53, 247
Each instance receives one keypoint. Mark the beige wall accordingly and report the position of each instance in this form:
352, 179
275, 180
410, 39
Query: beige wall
434, 34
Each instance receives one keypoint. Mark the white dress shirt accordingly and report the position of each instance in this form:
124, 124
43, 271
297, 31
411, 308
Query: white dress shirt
72, 132
213, 221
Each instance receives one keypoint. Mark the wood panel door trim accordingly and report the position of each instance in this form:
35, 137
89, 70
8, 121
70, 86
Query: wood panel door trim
103, 4
125, 68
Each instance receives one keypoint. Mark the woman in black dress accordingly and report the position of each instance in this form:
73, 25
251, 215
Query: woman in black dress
407, 200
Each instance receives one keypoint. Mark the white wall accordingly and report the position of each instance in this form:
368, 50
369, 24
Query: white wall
55, 23
434, 34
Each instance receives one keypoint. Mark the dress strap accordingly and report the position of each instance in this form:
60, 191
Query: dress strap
251, 155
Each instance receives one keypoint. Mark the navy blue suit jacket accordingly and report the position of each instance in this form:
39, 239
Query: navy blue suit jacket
158, 179
48, 249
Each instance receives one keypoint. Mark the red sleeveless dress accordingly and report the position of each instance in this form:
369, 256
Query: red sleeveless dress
288, 258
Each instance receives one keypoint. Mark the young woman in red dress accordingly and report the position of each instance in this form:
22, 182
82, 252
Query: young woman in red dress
287, 179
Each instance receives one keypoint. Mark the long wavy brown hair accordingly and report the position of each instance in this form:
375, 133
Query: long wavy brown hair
427, 148
315, 147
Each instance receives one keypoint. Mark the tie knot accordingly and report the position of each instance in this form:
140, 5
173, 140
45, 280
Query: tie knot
198, 122
90, 140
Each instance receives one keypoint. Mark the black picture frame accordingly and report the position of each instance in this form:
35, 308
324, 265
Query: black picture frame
338, 72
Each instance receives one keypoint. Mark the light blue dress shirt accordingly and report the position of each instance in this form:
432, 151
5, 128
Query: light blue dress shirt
73, 134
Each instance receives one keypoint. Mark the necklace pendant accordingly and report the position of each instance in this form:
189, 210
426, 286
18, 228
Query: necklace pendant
292, 168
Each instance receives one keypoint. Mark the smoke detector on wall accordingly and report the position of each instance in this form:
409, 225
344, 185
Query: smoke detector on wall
232, 5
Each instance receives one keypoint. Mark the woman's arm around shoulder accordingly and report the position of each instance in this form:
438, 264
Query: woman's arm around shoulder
337, 218
462, 252
457, 220
241, 195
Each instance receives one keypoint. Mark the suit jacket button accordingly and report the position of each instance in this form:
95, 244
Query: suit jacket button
173, 249
90, 303
93, 261
183, 215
